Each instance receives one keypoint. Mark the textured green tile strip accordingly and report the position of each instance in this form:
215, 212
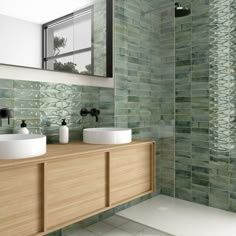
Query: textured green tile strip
43, 105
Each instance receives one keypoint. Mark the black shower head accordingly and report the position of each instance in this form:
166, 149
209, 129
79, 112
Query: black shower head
181, 10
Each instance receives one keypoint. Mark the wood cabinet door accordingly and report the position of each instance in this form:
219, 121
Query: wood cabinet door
21, 200
76, 187
131, 173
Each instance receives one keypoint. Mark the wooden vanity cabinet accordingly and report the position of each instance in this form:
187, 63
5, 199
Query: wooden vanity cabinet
76, 187
21, 200
70, 183
131, 173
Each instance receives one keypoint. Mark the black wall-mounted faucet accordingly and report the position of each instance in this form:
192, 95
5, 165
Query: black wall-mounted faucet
93, 112
5, 113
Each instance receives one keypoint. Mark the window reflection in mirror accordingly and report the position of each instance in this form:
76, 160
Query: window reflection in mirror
68, 43
78, 43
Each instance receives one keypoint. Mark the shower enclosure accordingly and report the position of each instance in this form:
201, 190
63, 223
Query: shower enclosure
205, 127
175, 83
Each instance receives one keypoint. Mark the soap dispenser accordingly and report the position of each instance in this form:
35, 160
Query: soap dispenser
64, 133
23, 128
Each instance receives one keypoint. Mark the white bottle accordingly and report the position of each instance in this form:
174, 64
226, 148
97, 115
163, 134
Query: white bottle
23, 129
63, 133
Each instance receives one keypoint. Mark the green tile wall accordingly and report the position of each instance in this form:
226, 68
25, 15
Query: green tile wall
193, 169
202, 174
43, 105
144, 77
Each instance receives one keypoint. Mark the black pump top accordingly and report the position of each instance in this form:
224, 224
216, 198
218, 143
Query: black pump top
63, 122
23, 124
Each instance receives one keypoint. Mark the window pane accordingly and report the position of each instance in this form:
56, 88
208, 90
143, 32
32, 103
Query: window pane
82, 30
84, 62
70, 34
77, 63
60, 38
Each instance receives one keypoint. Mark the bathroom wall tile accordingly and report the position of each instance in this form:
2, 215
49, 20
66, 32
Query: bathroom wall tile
6, 84
183, 193
200, 197
22, 94
26, 85
29, 113
8, 102
29, 104
183, 182
6, 93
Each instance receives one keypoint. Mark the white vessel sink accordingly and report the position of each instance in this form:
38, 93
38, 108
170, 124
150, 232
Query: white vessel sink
18, 146
107, 135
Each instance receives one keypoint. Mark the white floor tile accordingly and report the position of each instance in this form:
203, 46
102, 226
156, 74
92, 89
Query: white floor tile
115, 220
100, 228
132, 227
117, 232
181, 218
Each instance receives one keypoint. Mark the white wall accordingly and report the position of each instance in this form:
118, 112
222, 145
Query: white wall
20, 42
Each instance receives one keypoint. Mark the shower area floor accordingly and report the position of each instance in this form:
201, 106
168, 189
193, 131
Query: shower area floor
181, 218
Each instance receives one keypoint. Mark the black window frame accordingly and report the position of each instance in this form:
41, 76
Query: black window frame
109, 39
68, 17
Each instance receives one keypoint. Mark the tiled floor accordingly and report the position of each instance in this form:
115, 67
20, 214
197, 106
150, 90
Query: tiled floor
117, 226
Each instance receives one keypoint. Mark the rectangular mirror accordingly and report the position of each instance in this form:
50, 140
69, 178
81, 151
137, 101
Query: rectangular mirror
67, 36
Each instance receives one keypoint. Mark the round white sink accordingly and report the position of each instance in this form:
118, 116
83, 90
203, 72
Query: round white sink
18, 146
107, 135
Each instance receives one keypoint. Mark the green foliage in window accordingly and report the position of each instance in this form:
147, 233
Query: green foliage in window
60, 42
88, 70
65, 67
